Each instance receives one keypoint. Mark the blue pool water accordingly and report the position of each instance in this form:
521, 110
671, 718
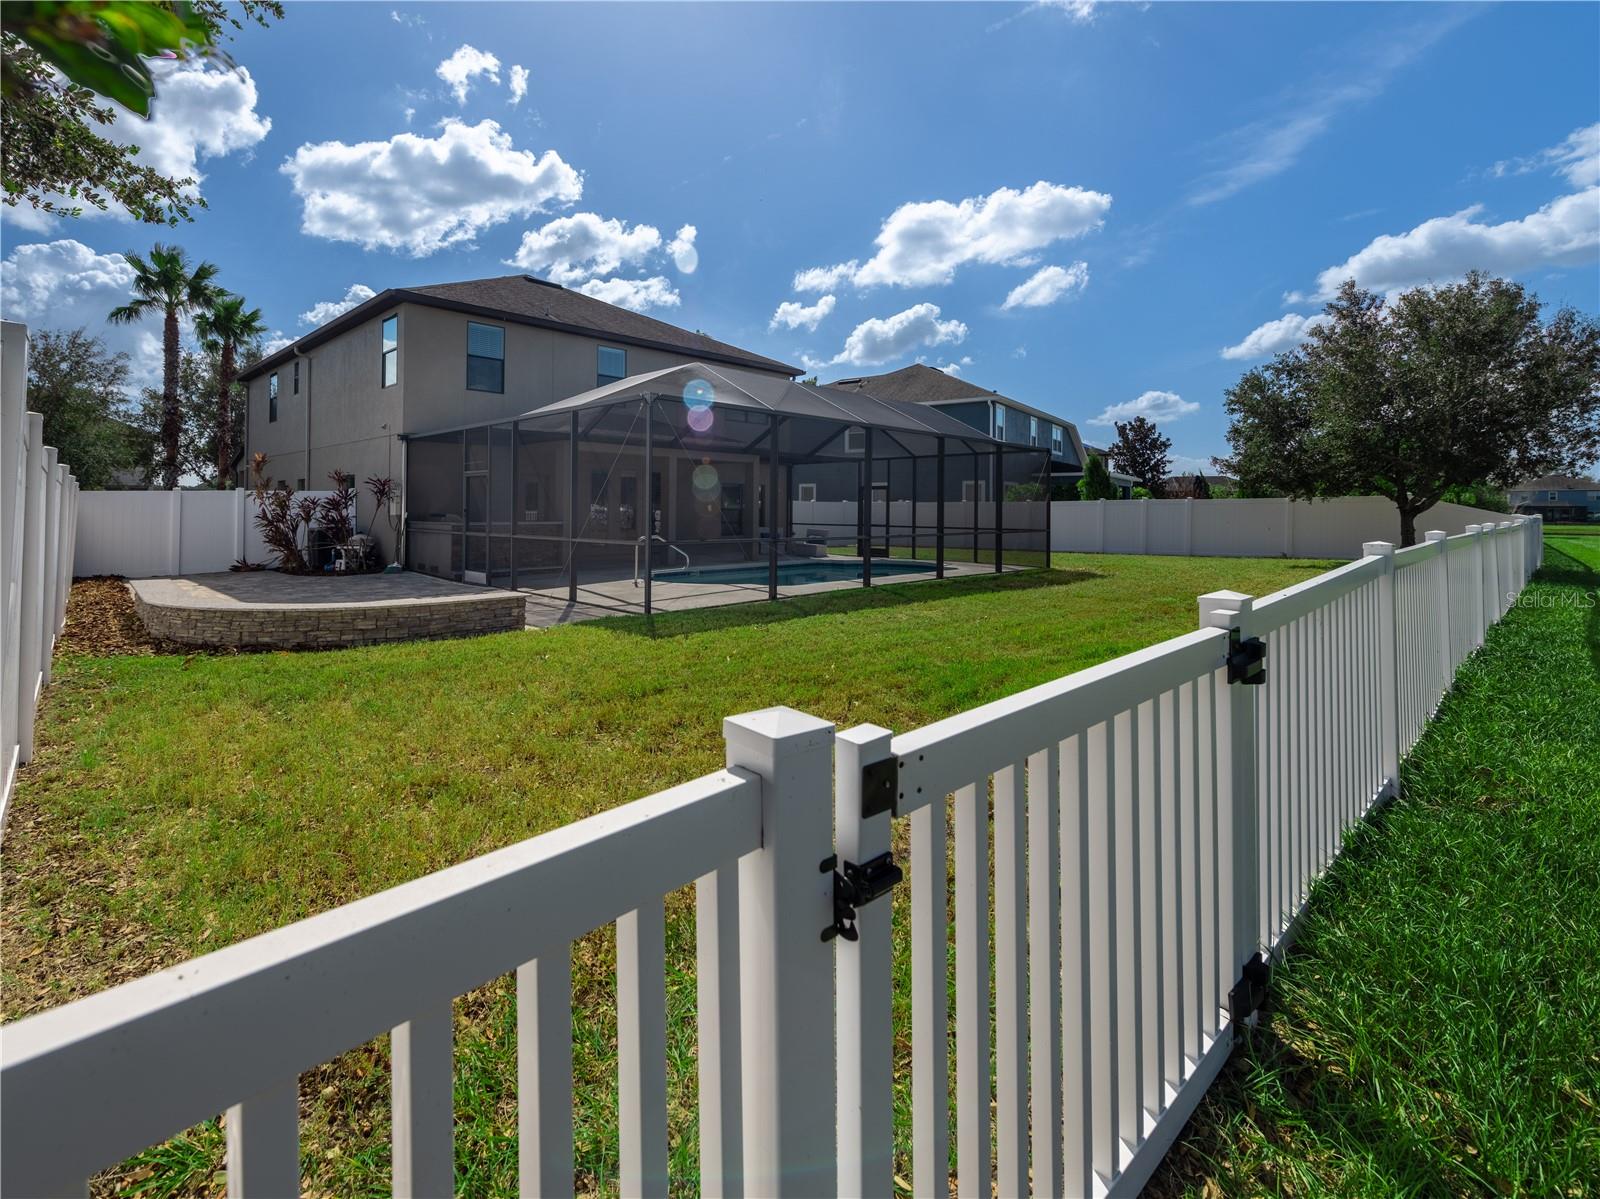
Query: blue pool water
792, 574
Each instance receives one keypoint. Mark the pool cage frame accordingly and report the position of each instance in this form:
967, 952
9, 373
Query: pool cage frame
788, 429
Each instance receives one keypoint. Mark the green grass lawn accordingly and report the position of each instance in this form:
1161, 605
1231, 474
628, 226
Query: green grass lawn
1436, 1030
1589, 530
178, 804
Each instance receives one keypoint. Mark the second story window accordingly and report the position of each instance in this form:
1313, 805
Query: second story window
391, 351
1057, 442
272, 396
1033, 430
486, 357
612, 365
296, 377
999, 423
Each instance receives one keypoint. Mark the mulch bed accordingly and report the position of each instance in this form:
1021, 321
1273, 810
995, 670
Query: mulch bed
102, 623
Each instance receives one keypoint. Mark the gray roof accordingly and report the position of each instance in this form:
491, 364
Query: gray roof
736, 388
1557, 483
522, 299
918, 384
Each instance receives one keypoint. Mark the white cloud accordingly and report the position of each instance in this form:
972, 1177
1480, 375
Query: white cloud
1079, 12
1565, 232
1577, 159
325, 310
462, 67
684, 255
792, 314
1154, 406
519, 84
883, 339
1271, 144
276, 342
1048, 285
573, 248
637, 294
954, 368
198, 112
1274, 337
64, 284
409, 113
420, 194
825, 278
410, 20
924, 242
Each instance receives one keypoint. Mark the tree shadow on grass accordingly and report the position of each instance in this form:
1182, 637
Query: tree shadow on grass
1561, 569
879, 597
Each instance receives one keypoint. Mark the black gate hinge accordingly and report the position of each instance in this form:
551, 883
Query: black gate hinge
855, 886
1246, 659
880, 787
1248, 993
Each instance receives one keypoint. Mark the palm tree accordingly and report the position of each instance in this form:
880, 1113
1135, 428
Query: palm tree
223, 328
165, 284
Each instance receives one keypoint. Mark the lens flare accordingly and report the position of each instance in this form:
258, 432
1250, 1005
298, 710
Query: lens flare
706, 482
697, 393
701, 419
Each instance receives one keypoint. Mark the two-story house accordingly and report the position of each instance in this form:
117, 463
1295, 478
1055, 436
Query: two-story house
1560, 499
420, 359
990, 413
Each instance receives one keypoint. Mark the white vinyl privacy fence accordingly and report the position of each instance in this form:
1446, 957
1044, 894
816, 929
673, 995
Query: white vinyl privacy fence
1155, 824
144, 534
38, 520
1267, 528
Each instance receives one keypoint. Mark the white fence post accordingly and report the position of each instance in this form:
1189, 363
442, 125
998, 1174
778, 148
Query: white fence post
49, 563
32, 581
1144, 526
865, 1038
1100, 509
1288, 528
785, 967
1442, 573
1238, 856
1487, 574
1388, 659
1188, 526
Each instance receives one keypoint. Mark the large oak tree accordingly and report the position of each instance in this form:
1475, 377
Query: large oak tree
1437, 388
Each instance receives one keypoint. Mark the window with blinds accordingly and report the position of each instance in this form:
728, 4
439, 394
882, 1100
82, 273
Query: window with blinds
486, 357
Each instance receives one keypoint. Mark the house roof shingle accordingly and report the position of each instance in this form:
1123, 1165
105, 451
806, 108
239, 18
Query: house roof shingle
1557, 483
522, 299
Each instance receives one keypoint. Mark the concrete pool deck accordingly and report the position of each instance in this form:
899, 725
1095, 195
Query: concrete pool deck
550, 606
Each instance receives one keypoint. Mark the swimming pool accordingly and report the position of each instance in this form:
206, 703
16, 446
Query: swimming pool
793, 574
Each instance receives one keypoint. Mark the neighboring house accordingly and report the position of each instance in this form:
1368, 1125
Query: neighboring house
1125, 483
989, 412
1181, 487
421, 359
1557, 498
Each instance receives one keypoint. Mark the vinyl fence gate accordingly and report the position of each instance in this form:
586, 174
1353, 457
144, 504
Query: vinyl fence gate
1143, 836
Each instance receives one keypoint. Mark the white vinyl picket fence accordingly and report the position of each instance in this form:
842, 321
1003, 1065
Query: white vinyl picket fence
1154, 827
38, 525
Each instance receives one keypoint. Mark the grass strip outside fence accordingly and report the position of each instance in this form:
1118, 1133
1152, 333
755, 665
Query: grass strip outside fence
1436, 1029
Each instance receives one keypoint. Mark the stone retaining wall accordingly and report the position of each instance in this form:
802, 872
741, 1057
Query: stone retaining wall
329, 626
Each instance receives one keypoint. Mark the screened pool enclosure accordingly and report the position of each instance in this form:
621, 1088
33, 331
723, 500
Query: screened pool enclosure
713, 476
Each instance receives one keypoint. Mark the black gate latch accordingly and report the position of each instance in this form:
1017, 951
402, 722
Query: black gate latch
1246, 659
856, 886
1248, 993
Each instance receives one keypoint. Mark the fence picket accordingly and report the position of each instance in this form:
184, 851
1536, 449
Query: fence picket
716, 898
544, 1077
1046, 967
1011, 983
972, 993
263, 1144
422, 1107
642, 1052
930, 1026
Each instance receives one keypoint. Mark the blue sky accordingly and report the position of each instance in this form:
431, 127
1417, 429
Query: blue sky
1096, 208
